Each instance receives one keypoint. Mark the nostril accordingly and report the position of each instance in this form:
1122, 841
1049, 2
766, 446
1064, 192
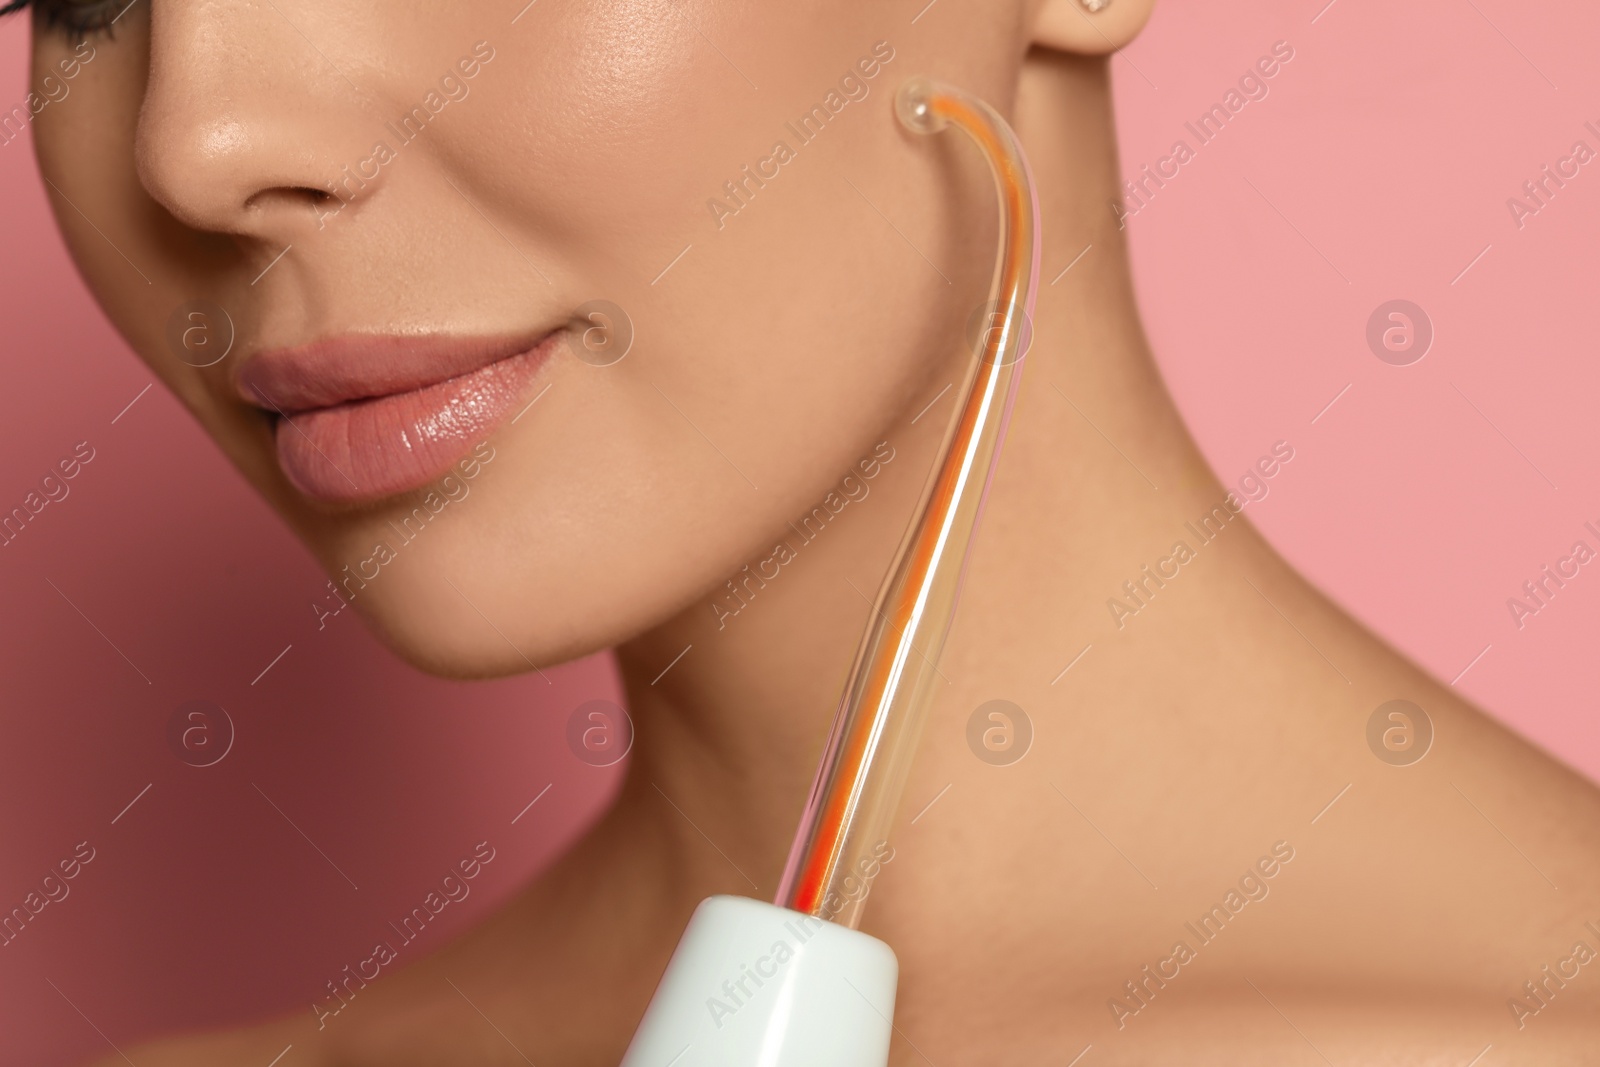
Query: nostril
292, 196
286, 200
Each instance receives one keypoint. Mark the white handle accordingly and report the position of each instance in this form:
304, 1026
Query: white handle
755, 985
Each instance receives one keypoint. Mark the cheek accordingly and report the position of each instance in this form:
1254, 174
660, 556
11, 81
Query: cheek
85, 147
771, 350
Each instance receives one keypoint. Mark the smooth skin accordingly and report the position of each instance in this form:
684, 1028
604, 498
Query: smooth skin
1218, 722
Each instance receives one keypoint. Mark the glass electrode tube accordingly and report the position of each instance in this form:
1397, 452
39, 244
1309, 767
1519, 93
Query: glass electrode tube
843, 836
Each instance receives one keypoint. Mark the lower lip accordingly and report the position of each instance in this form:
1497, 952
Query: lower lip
369, 449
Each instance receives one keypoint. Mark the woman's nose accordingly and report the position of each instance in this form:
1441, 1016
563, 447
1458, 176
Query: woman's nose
247, 122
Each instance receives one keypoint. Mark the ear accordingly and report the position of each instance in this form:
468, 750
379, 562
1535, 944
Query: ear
1076, 25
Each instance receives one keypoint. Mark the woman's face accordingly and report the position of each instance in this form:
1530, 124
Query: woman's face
431, 229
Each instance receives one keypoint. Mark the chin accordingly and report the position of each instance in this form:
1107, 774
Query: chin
485, 599
454, 641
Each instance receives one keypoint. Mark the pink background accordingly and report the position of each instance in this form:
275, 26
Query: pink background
1377, 167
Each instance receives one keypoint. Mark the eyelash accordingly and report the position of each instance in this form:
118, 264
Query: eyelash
71, 18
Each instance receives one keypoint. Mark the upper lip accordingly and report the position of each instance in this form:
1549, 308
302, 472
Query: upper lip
336, 370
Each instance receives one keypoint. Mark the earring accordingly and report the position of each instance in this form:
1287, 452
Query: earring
1094, 7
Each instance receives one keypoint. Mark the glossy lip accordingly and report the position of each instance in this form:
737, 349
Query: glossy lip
366, 416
